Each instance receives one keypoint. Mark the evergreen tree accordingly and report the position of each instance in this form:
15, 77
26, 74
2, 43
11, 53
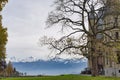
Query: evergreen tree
3, 38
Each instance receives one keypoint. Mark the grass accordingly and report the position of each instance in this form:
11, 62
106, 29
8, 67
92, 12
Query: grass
65, 77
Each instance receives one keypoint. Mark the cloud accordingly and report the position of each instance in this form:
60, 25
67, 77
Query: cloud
25, 20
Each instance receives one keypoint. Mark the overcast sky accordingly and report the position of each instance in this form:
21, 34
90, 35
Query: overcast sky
25, 20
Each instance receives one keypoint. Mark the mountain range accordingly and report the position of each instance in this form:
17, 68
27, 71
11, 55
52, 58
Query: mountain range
55, 66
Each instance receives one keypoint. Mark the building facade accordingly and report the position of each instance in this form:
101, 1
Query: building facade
108, 58
112, 57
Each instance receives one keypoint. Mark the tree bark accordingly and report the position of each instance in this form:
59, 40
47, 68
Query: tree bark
94, 59
94, 66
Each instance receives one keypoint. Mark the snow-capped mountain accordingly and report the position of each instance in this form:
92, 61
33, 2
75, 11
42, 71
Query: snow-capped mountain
53, 66
57, 59
28, 59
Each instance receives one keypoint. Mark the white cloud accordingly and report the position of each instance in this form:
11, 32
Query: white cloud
25, 20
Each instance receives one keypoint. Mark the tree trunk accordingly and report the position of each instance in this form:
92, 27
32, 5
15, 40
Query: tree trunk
94, 59
94, 66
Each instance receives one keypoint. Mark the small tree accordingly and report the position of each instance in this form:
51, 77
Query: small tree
9, 69
86, 18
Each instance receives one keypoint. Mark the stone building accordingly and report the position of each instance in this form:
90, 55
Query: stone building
109, 58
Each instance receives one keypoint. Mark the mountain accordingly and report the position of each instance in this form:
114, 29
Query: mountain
28, 59
55, 66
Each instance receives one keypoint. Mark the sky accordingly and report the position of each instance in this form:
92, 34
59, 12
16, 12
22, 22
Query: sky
25, 20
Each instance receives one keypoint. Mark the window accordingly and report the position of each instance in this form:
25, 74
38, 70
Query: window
116, 22
119, 71
118, 57
116, 35
107, 59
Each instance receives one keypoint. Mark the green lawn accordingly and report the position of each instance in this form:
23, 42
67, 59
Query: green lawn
66, 77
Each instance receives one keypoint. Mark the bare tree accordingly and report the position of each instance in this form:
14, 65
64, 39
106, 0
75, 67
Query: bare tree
83, 17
